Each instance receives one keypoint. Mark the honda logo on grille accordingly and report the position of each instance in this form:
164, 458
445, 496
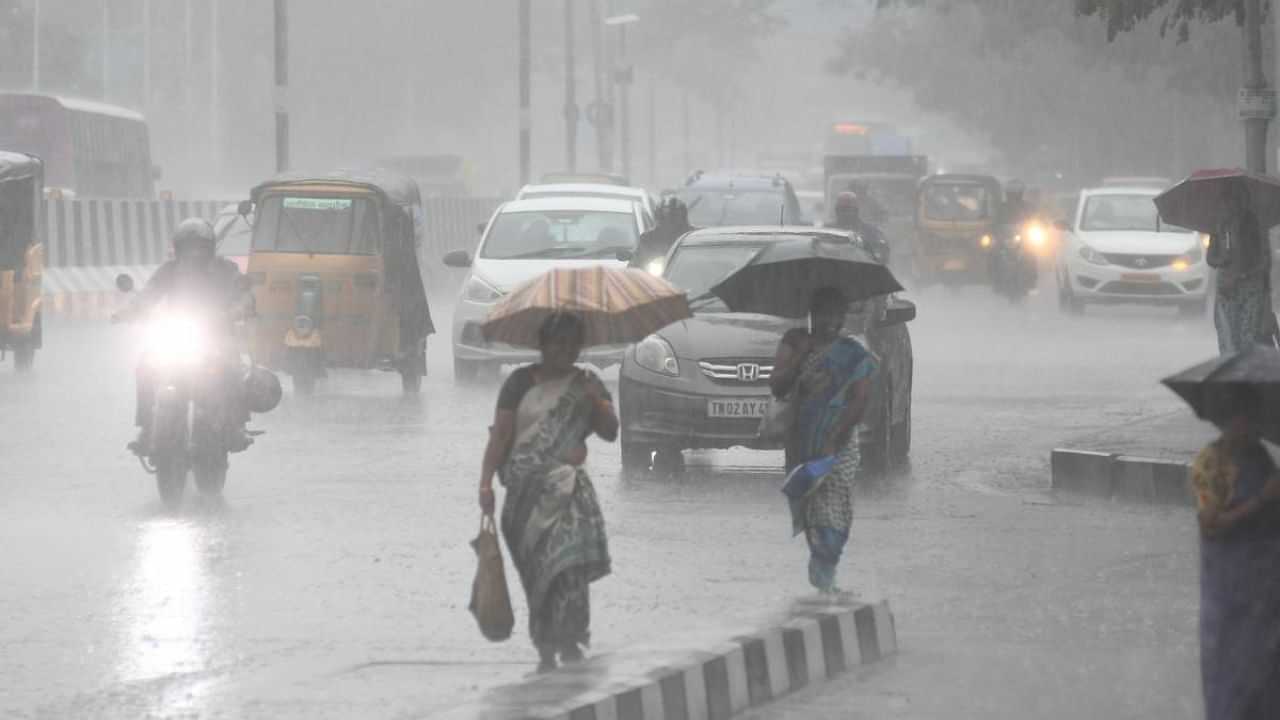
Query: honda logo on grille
748, 372
1140, 262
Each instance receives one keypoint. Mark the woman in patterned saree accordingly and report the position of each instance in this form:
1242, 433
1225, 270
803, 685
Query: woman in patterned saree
828, 377
550, 517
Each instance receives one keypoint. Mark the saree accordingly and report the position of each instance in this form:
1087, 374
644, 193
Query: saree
1239, 592
826, 513
551, 519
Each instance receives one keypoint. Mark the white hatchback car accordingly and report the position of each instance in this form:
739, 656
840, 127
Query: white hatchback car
1115, 249
522, 240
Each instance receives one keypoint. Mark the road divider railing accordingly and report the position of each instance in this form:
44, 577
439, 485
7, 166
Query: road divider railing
88, 241
1120, 477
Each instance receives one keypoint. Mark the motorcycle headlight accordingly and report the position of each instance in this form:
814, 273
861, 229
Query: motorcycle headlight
655, 355
1036, 235
656, 266
1093, 256
985, 241
175, 339
477, 290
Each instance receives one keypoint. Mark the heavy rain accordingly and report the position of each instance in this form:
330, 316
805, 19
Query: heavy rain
776, 359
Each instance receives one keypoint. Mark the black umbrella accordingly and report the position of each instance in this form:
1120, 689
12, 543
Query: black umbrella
782, 277
1216, 389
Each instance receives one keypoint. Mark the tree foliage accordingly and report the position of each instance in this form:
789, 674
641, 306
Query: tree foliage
1174, 15
1052, 90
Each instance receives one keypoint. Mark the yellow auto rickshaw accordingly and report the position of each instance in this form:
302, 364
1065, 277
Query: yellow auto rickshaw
334, 267
21, 256
956, 218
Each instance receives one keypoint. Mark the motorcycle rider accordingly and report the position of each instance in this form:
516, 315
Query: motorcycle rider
1015, 211
673, 222
197, 277
848, 216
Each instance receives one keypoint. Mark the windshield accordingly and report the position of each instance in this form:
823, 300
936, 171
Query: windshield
880, 197
332, 226
234, 234
696, 269
1124, 212
957, 202
713, 208
560, 234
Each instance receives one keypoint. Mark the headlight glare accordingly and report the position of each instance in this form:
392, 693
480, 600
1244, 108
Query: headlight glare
175, 339
656, 266
655, 355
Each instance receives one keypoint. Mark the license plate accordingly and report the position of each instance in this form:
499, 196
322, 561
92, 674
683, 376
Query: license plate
1141, 277
954, 264
737, 408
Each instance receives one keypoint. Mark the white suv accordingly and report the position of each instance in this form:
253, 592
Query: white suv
1115, 249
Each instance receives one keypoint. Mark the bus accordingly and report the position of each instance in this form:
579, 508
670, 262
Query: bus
88, 148
863, 138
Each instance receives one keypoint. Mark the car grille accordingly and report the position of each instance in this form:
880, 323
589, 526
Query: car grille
1121, 287
737, 372
1141, 262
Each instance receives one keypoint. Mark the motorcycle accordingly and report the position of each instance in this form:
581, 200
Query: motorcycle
191, 431
1015, 262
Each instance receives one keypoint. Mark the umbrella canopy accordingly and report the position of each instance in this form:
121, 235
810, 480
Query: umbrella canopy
782, 277
1214, 388
1202, 201
618, 306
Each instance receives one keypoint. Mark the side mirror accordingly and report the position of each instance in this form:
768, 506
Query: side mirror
625, 255
124, 283
898, 312
1062, 225
245, 208
458, 259
480, 228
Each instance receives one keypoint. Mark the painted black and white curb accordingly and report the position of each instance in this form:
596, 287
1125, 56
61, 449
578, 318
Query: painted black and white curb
1120, 477
706, 679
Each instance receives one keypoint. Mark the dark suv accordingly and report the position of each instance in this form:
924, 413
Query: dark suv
704, 382
717, 200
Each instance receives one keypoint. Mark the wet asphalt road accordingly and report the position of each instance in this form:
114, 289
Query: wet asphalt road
333, 579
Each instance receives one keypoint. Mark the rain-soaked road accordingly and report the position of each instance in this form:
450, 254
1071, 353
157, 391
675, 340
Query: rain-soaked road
333, 580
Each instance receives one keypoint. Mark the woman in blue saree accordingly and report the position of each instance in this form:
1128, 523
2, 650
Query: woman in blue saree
1237, 491
551, 519
828, 377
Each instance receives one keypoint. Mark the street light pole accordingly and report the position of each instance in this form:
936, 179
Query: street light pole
106, 49
570, 92
525, 120
282, 84
35, 46
1257, 100
600, 113
624, 76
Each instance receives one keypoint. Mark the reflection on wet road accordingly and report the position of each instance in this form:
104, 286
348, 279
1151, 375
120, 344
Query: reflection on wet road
333, 580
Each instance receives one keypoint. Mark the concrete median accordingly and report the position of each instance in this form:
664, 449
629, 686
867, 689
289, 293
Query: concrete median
708, 676
1120, 477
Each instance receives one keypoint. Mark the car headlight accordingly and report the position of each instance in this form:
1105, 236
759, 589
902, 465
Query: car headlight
656, 266
1192, 257
175, 339
655, 355
477, 290
985, 241
1093, 256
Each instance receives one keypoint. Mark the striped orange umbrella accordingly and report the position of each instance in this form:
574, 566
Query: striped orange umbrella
618, 305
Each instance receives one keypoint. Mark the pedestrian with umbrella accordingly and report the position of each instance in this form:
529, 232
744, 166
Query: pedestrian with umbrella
824, 374
1235, 208
1237, 489
551, 519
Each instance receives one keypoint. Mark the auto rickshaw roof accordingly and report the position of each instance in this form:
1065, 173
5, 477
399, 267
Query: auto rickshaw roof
396, 188
958, 178
19, 166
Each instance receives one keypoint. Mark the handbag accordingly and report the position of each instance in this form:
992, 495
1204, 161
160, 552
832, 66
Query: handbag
490, 601
778, 420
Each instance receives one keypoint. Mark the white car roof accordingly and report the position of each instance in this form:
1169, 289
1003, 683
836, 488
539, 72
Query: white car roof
584, 189
570, 202
1121, 190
